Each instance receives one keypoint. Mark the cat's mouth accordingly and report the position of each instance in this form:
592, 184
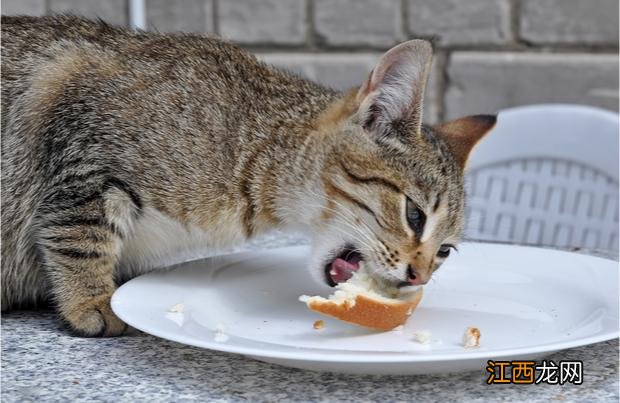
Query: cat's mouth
342, 267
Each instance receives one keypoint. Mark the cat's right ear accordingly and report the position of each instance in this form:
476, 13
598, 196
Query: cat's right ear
394, 91
461, 135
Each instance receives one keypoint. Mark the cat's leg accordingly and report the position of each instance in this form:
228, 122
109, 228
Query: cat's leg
81, 233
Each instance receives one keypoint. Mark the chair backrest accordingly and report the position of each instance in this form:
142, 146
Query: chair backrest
547, 175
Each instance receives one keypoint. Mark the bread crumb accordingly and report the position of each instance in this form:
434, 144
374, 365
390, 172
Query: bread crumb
177, 308
471, 337
422, 336
318, 325
219, 335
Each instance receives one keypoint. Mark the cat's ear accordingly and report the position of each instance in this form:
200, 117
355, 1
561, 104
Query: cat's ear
395, 88
461, 135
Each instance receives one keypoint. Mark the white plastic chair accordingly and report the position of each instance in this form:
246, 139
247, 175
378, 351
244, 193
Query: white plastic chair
547, 175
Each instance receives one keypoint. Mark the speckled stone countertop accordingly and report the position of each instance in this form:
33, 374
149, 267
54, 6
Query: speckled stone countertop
42, 361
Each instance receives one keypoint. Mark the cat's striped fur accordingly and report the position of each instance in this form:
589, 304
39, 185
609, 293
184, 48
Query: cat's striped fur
121, 148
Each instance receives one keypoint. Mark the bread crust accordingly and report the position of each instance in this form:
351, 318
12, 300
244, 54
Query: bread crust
368, 312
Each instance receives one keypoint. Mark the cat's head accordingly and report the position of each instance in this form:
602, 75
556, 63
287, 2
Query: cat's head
392, 188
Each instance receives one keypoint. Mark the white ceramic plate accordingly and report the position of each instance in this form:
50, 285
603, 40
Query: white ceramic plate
527, 303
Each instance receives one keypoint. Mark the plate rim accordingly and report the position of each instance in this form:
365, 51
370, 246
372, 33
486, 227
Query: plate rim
312, 355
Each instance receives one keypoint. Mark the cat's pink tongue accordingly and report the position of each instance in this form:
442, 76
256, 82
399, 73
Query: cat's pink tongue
342, 270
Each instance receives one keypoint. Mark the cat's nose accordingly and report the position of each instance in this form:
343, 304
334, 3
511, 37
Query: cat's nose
414, 277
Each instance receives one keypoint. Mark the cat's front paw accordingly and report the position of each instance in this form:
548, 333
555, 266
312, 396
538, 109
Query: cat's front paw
92, 317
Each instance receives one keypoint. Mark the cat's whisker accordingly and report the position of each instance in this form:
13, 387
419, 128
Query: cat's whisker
364, 243
351, 226
364, 225
359, 230
345, 209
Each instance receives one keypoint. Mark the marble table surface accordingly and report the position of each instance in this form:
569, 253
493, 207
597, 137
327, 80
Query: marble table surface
42, 361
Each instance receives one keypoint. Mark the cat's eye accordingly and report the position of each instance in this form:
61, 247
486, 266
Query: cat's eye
415, 217
444, 250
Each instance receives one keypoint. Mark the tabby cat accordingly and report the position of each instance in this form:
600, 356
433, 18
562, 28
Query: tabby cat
121, 149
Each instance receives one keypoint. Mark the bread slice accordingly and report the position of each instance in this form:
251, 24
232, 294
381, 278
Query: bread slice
363, 301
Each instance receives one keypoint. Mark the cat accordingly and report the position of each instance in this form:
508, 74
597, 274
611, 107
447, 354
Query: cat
120, 148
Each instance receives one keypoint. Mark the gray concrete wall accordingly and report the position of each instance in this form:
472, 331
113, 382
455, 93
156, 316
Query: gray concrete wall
491, 54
